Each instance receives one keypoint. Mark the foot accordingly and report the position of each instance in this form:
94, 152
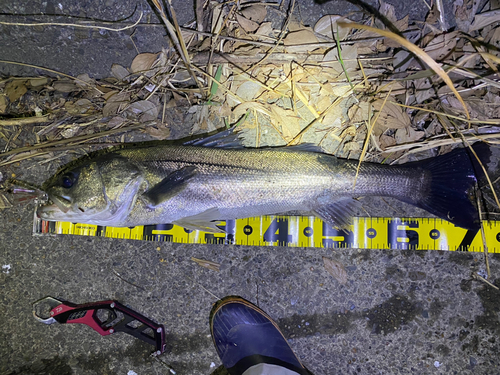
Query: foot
248, 341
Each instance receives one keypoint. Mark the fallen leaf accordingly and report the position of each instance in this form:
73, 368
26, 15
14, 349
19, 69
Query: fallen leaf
327, 26
109, 94
84, 80
65, 85
143, 62
256, 13
336, 269
297, 41
248, 25
359, 112
248, 90
352, 146
159, 131
207, 264
388, 11
147, 110
37, 82
482, 20
287, 121
465, 11
423, 90
391, 115
442, 45
15, 89
3, 103
386, 141
265, 29
408, 135
242, 109
115, 103
217, 19
119, 72
116, 122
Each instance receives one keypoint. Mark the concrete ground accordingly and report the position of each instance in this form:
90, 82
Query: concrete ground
400, 312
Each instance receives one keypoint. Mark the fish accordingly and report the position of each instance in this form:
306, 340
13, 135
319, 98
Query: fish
199, 184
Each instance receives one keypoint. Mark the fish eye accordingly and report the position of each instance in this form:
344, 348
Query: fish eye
68, 180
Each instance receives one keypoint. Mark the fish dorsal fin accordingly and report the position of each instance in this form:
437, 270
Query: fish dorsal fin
229, 139
170, 186
225, 139
339, 213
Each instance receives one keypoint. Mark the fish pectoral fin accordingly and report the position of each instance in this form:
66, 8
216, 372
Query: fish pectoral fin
171, 185
339, 213
205, 221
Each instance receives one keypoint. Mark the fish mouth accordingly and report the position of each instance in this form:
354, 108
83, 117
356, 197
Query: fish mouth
55, 204
62, 203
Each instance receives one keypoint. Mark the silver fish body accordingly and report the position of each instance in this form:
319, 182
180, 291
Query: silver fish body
193, 186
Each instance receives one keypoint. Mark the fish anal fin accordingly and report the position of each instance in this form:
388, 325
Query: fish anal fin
171, 185
339, 213
206, 221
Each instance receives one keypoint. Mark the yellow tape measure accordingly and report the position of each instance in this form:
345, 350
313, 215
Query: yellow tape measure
305, 231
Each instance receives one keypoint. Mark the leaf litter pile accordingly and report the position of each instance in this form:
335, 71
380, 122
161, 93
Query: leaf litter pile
365, 87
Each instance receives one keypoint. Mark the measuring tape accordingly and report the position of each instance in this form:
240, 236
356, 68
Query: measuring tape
304, 231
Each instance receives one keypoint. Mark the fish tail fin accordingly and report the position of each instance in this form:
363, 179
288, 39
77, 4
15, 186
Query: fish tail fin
453, 178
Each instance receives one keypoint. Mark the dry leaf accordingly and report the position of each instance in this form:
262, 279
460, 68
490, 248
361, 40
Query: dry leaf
388, 11
115, 103
442, 45
116, 122
408, 135
327, 26
352, 146
15, 89
147, 110
65, 85
242, 109
37, 82
334, 117
249, 90
342, 90
265, 29
81, 78
256, 13
386, 141
392, 116
143, 62
359, 112
336, 269
465, 11
248, 25
159, 131
79, 107
484, 19
297, 41
287, 121
321, 103
109, 94
423, 90
3, 103
402, 24
119, 72
207, 264
217, 19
